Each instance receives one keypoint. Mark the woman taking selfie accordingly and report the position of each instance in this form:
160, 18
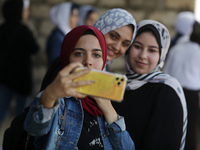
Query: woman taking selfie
62, 118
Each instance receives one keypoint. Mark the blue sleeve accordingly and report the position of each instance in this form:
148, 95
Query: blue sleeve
54, 46
118, 135
38, 120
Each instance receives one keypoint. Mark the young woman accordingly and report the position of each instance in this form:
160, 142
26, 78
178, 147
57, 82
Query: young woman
65, 17
88, 15
183, 27
119, 28
154, 105
61, 118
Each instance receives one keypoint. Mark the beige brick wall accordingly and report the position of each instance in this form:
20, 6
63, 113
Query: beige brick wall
180, 4
112, 3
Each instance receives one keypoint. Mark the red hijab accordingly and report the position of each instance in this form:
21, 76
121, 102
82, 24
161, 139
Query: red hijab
68, 45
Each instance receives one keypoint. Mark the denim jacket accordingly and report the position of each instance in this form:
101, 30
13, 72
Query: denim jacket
44, 124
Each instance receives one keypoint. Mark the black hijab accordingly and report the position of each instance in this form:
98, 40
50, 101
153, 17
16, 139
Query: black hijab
12, 10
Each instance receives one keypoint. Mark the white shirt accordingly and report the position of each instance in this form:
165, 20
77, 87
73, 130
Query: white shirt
183, 63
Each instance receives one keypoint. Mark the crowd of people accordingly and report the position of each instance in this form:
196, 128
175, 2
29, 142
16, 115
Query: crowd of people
159, 110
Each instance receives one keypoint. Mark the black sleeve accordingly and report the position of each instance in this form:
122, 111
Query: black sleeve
165, 128
29, 42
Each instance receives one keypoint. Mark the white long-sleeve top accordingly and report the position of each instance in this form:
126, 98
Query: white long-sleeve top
183, 63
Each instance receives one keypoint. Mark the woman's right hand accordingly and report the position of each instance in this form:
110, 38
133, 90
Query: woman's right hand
63, 85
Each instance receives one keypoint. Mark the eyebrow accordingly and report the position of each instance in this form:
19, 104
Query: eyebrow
82, 49
120, 35
149, 46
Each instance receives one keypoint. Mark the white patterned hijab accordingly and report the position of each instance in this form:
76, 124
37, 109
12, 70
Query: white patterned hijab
135, 80
60, 16
113, 19
163, 38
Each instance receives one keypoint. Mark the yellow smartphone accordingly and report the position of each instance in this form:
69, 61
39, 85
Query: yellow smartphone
107, 85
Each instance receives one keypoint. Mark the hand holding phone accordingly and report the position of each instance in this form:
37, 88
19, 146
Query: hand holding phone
107, 85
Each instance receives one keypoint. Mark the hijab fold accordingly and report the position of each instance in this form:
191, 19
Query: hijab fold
60, 16
184, 22
68, 45
184, 25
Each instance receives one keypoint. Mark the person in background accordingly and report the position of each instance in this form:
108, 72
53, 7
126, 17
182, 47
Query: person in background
87, 15
119, 28
61, 118
17, 45
26, 12
65, 17
183, 28
154, 105
183, 64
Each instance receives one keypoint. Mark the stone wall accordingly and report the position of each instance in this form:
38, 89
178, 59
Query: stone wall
164, 11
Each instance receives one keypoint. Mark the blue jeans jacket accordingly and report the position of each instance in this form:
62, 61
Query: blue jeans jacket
44, 125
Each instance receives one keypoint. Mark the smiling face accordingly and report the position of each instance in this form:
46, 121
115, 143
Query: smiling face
118, 41
88, 52
144, 53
